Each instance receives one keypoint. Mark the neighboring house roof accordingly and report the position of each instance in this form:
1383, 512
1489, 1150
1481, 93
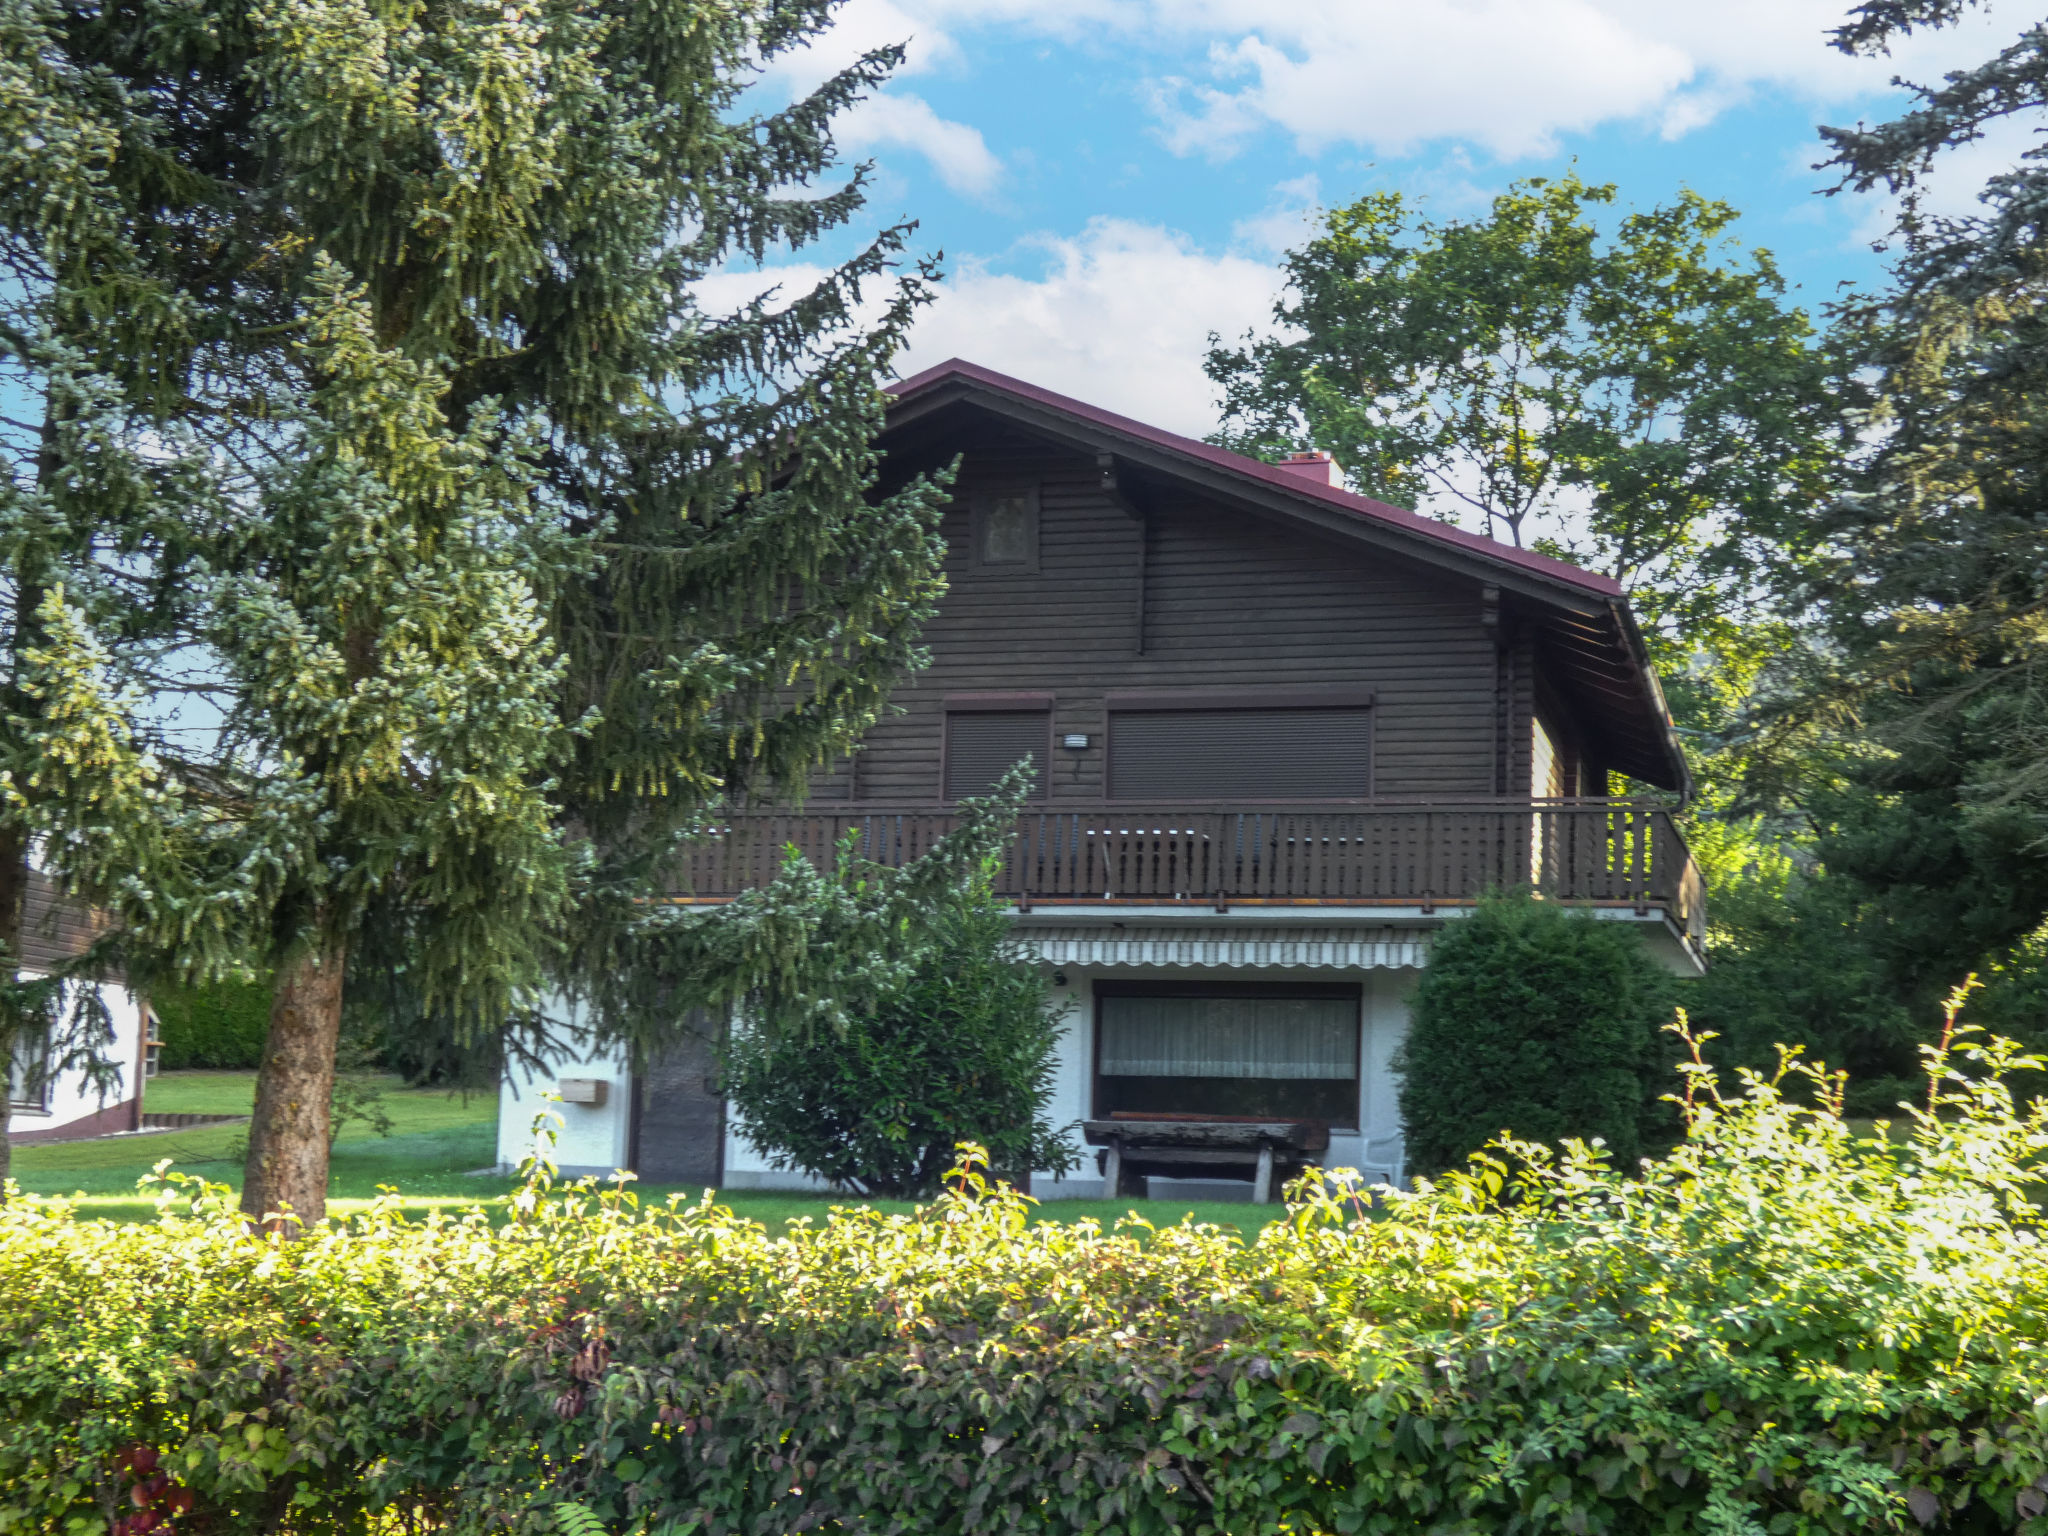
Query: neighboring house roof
54, 927
1586, 626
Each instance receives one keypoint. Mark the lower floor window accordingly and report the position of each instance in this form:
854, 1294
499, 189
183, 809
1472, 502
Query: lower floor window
28, 1071
1288, 1052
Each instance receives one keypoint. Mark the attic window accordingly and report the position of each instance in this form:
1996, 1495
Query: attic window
1006, 530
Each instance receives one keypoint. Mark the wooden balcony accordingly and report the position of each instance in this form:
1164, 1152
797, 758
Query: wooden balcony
1356, 854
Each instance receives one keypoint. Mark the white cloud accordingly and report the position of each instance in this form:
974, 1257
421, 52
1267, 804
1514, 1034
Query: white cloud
861, 26
731, 289
1119, 316
957, 152
1288, 219
1509, 76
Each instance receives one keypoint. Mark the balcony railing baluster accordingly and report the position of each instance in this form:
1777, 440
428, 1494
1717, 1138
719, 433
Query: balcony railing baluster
1355, 853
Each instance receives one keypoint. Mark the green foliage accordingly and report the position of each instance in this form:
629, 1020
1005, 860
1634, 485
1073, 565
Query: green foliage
1782, 1326
1638, 399
1537, 1021
1927, 598
1902, 883
962, 1048
1791, 960
369, 341
220, 1024
811, 948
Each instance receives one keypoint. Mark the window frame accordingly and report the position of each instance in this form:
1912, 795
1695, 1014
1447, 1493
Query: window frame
982, 509
1242, 701
1351, 991
41, 1104
996, 704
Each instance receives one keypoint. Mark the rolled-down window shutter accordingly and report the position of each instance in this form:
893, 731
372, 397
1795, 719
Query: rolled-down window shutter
1322, 753
982, 746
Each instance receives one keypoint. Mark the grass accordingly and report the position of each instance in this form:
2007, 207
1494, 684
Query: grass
436, 1140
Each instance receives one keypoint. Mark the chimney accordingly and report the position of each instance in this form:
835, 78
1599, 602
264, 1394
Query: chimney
1318, 467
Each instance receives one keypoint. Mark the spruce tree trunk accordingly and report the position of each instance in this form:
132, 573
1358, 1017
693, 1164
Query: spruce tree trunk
13, 908
295, 1088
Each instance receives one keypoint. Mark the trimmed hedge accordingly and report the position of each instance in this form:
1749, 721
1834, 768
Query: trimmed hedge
221, 1026
1781, 1327
1539, 1018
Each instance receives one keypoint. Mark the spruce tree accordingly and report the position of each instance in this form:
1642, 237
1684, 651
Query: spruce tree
1933, 596
510, 559
93, 325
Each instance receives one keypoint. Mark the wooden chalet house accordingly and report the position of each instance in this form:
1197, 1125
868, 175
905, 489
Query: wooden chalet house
1283, 735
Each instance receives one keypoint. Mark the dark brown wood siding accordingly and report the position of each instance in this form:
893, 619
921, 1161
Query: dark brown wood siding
54, 927
1231, 603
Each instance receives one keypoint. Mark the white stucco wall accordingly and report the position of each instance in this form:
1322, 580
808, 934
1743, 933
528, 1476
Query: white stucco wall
589, 1138
593, 1139
71, 1098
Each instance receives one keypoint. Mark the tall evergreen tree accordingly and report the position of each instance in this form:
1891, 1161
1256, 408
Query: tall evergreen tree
92, 323
511, 558
1935, 592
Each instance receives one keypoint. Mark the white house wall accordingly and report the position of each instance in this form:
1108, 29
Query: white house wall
72, 1099
1384, 1021
596, 1139
589, 1138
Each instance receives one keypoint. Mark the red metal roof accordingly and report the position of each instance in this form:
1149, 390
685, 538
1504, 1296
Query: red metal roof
1294, 483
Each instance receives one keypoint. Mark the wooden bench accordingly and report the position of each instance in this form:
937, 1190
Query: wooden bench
1141, 1145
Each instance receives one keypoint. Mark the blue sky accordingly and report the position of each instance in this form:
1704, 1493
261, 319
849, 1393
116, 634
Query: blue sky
1112, 179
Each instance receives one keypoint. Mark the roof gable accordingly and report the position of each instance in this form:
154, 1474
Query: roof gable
1584, 615
957, 380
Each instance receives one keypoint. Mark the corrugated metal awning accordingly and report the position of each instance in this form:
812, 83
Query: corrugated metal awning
1346, 949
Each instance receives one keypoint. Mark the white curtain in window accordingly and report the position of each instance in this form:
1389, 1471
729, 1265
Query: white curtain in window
1284, 1037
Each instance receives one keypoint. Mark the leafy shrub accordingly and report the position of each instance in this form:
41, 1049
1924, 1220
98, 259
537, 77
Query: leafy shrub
1533, 1019
1783, 1326
221, 1026
962, 1049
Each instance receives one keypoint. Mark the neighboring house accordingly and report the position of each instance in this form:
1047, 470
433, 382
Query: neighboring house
1284, 734
46, 1105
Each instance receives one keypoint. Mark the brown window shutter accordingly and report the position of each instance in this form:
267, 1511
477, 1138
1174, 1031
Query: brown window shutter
983, 745
1241, 754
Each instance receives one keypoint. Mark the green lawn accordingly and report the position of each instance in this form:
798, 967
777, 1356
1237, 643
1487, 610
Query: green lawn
436, 1140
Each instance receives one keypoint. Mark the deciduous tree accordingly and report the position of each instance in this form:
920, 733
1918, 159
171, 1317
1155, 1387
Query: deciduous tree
1640, 399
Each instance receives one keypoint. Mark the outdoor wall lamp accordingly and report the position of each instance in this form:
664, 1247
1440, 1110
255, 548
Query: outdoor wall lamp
1075, 741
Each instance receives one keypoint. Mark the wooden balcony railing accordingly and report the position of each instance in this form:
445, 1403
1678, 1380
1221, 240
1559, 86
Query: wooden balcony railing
1377, 852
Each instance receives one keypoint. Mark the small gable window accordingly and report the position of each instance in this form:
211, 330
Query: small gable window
1006, 530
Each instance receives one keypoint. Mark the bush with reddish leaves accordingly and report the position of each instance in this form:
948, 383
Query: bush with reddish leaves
158, 1502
